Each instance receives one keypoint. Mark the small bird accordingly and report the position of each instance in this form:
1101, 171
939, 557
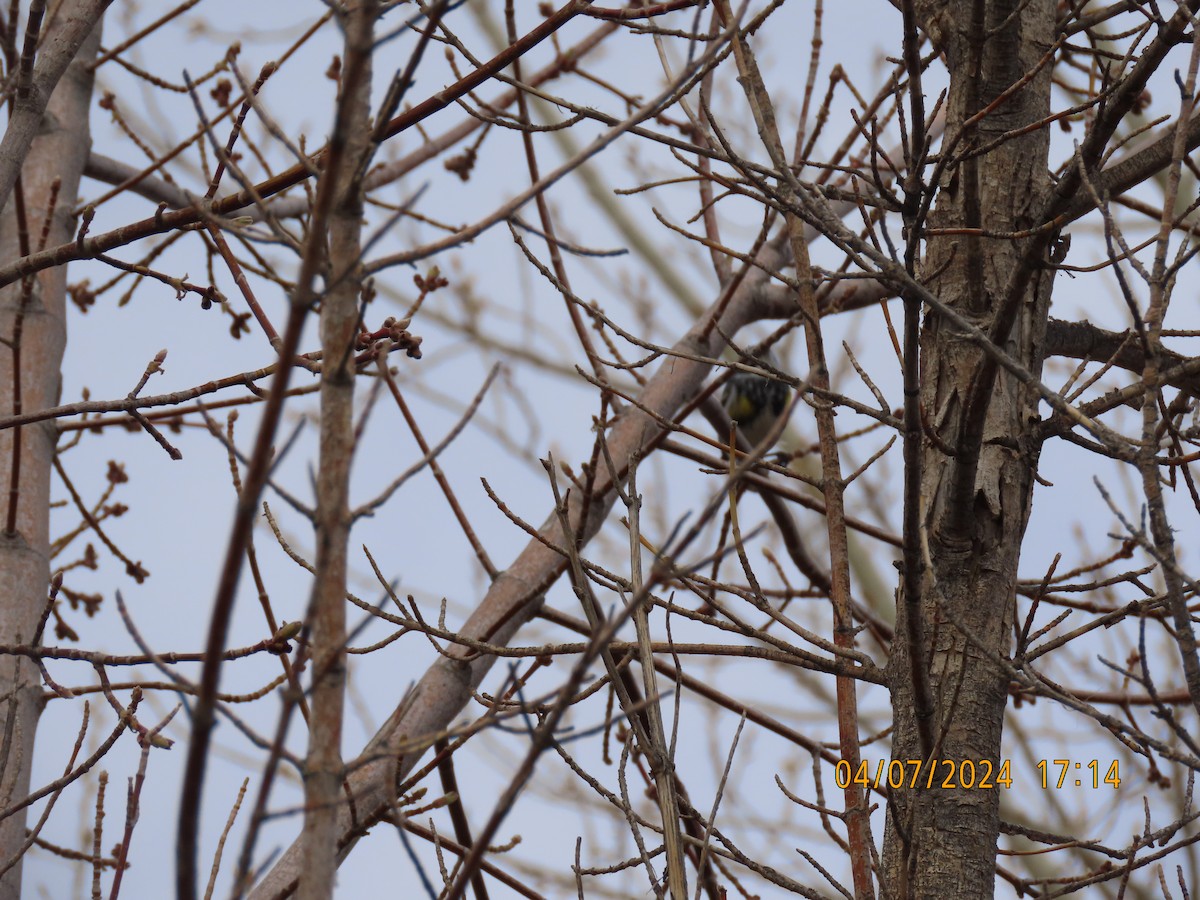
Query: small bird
754, 401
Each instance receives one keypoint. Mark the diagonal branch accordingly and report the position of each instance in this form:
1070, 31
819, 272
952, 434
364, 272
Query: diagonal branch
516, 595
29, 104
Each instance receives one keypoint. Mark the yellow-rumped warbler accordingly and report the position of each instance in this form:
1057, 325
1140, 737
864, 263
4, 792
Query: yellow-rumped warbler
754, 401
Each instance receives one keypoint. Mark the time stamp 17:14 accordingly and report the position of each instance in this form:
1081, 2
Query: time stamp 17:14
983, 774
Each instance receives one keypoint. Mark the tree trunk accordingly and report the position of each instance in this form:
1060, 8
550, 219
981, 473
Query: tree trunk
33, 326
978, 472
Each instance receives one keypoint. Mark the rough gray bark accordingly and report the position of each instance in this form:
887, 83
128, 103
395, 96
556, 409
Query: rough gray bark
942, 842
54, 161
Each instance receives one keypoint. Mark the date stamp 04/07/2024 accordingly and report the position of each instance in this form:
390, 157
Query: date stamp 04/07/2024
947, 774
